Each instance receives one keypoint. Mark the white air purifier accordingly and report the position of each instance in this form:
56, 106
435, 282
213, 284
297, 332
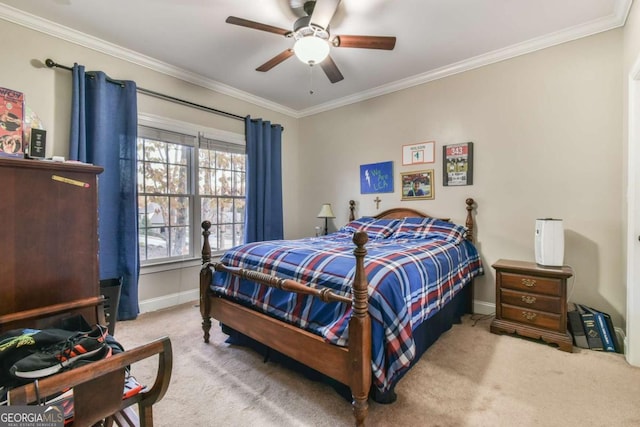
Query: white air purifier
549, 242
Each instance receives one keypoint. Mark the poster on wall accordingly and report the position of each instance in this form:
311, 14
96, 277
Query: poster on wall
376, 178
11, 129
458, 164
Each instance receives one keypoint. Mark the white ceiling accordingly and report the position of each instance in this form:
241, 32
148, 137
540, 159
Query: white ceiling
189, 39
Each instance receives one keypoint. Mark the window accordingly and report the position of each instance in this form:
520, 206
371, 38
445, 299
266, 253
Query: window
180, 175
222, 183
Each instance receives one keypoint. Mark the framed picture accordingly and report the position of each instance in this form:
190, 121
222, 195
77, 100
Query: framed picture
417, 185
376, 178
413, 154
457, 164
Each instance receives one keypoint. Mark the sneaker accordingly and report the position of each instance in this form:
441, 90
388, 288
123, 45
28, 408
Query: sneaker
51, 360
131, 387
17, 344
102, 353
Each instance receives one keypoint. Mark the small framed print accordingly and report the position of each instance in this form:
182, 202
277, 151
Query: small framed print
37, 143
424, 152
457, 164
417, 185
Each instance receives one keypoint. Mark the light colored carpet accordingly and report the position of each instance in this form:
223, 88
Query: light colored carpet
469, 377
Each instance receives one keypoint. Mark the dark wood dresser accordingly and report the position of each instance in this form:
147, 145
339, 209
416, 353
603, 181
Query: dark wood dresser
49, 233
531, 301
49, 269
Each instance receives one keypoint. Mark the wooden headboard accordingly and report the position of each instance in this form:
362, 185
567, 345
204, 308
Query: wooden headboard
402, 212
399, 213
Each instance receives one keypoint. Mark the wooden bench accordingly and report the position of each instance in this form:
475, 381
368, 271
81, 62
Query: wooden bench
98, 386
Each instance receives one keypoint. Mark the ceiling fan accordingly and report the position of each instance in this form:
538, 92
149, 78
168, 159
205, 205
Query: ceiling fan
313, 41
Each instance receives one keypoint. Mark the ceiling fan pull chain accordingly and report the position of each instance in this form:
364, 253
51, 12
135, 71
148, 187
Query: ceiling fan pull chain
310, 79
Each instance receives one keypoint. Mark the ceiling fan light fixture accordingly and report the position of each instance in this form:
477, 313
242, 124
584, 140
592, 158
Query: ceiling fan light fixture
311, 49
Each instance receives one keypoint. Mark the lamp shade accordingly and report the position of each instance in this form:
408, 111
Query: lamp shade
311, 50
326, 211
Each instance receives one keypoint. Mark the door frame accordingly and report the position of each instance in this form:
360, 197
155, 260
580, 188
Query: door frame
632, 340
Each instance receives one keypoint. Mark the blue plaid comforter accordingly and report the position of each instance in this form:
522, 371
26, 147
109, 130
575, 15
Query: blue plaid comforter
409, 281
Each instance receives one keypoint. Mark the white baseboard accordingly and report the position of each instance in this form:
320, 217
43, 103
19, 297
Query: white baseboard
483, 307
621, 337
170, 300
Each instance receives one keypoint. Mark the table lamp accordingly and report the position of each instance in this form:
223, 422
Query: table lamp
326, 213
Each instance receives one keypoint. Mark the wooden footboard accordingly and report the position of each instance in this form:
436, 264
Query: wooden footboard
351, 365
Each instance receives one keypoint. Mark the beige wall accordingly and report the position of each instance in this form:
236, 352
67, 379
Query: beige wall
48, 92
547, 137
547, 130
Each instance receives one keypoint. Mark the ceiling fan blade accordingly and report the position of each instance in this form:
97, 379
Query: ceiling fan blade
275, 60
256, 25
323, 11
365, 42
331, 70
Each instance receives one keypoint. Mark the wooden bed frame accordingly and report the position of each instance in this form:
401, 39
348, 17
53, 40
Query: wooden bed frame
349, 365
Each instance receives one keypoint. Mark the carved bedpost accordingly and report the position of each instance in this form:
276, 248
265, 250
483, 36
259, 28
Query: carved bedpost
360, 334
469, 222
352, 208
470, 237
205, 281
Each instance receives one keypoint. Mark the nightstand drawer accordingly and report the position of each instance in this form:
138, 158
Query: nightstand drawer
535, 284
535, 318
531, 301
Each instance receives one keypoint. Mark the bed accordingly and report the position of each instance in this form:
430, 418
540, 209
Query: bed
359, 305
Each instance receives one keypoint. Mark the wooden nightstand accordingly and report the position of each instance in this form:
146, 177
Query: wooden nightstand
532, 301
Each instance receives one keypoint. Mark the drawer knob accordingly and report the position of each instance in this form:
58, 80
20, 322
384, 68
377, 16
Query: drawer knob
528, 299
530, 283
529, 315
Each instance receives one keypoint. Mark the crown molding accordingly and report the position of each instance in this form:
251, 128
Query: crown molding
614, 20
51, 28
621, 11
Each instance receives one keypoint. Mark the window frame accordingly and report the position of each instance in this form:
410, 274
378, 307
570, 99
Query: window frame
195, 234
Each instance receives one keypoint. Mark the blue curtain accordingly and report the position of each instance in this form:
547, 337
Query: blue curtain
264, 181
104, 121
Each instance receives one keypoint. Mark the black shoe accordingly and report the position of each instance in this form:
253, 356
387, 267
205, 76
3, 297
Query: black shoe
82, 346
17, 344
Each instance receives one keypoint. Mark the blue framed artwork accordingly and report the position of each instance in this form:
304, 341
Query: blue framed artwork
376, 178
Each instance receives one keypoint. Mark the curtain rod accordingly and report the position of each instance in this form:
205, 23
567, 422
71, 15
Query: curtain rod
51, 64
